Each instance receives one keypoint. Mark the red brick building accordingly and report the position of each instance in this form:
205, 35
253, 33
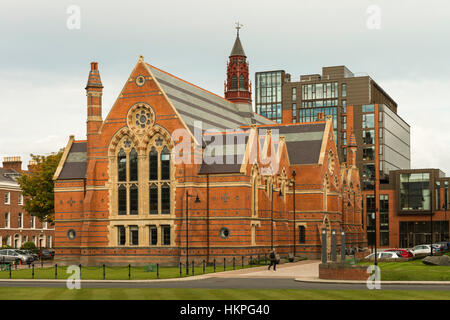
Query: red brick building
175, 170
16, 225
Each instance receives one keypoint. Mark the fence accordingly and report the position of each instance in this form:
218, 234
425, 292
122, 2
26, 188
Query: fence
150, 271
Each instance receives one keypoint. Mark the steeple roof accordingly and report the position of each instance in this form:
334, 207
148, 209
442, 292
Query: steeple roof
237, 48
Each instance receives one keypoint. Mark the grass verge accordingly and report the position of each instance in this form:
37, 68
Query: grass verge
215, 294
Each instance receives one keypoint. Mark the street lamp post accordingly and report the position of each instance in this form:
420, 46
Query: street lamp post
293, 205
197, 200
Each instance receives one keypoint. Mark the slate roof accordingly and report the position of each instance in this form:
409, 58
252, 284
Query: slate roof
7, 176
229, 157
303, 141
75, 164
196, 104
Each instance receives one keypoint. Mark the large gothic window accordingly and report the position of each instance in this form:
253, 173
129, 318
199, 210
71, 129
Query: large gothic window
133, 165
122, 165
241, 82
153, 164
122, 200
153, 199
134, 199
127, 178
159, 177
165, 164
234, 83
165, 198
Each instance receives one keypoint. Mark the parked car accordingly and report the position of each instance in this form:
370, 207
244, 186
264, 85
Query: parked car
404, 253
438, 247
444, 245
46, 254
12, 255
383, 255
422, 248
30, 253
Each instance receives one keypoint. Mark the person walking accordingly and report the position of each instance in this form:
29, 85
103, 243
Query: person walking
273, 260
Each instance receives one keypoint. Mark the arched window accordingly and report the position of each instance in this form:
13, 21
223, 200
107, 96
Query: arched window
153, 164
122, 166
133, 165
122, 200
165, 164
134, 199
241, 82
165, 199
153, 199
234, 83
255, 195
301, 234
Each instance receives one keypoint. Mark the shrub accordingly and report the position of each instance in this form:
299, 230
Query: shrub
29, 246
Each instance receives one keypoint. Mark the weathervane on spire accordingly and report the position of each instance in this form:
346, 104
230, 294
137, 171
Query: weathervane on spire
238, 26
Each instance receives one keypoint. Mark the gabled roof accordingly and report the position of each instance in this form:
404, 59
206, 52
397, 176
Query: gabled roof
75, 163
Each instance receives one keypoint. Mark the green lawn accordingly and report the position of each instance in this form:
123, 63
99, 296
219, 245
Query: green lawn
413, 270
117, 273
215, 294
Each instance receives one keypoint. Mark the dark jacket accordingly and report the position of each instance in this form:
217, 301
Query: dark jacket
272, 256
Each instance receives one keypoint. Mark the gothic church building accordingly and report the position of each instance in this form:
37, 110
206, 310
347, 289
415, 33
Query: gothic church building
175, 171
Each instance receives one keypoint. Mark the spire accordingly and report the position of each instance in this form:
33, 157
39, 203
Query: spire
237, 85
237, 47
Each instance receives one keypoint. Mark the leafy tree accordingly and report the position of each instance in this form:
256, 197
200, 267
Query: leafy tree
37, 186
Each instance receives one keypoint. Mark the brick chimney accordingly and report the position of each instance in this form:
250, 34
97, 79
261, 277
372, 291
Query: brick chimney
14, 163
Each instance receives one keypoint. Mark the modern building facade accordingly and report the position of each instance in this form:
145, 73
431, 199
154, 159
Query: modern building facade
16, 225
356, 103
412, 205
177, 173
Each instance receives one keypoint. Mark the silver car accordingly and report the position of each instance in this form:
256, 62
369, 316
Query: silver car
11, 255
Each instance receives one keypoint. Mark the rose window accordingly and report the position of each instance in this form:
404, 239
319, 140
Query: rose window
143, 119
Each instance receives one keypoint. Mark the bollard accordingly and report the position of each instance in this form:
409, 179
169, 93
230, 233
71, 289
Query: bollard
258, 259
129, 272
250, 262
104, 272
242, 262
32, 271
192, 267
42, 263
234, 267
214, 264
10, 267
157, 270
56, 271
181, 275
224, 267
203, 266
80, 269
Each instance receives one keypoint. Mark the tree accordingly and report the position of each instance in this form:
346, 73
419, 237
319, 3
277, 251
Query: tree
37, 186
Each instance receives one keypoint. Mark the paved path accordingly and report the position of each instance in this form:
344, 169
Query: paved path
299, 275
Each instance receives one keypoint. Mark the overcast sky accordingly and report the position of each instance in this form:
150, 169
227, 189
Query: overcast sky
44, 64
